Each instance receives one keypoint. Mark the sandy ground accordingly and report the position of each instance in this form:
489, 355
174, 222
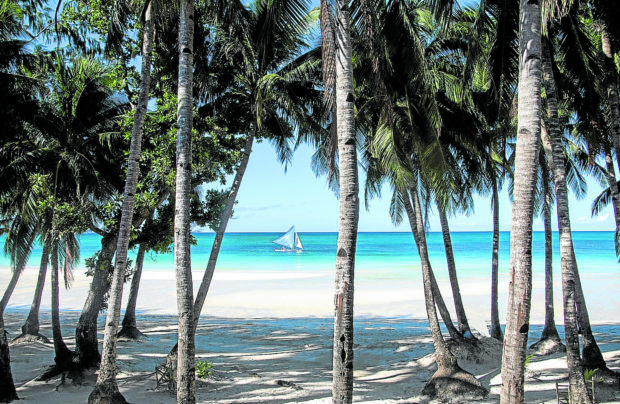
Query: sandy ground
269, 340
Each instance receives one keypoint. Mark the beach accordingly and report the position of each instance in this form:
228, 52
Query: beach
268, 331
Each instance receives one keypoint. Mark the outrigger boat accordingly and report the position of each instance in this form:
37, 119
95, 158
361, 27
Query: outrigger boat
289, 241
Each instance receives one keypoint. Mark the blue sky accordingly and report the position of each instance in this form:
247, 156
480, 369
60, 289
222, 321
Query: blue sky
271, 200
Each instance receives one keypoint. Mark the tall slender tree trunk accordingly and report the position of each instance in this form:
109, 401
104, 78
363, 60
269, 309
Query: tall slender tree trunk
8, 392
129, 327
496, 328
86, 340
203, 289
106, 389
568, 261
31, 325
186, 378
201, 295
441, 306
528, 143
454, 282
63, 355
342, 386
449, 377
550, 341
10, 288
610, 175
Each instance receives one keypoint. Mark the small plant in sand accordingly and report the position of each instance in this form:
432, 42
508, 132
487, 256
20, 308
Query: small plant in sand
528, 359
589, 374
203, 369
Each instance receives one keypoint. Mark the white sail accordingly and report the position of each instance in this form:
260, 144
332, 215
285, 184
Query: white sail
289, 240
298, 242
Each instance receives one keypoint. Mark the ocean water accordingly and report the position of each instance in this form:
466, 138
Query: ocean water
388, 256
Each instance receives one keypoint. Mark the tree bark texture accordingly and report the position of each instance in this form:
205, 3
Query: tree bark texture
129, 327
342, 386
10, 288
8, 392
63, 355
610, 175
568, 261
528, 143
186, 388
203, 289
31, 325
86, 341
449, 381
496, 328
550, 330
454, 281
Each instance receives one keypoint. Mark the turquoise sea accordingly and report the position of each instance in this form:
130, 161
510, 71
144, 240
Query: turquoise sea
386, 256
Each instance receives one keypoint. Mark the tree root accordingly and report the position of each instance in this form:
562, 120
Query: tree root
30, 339
548, 346
130, 333
104, 395
454, 384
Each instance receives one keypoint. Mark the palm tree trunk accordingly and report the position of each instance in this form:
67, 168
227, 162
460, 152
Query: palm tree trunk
550, 341
8, 392
496, 328
437, 297
10, 288
612, 90
578, 390
129, 326
86, 342
31, 325
106, 389
449, 376
63, 355
613, 185
342, 359
186, 378
528, 143
201, 295
454, 282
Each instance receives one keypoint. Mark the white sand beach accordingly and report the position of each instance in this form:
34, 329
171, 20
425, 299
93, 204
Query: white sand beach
268, 336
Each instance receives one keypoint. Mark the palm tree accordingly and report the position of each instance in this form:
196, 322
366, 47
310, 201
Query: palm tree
106, 387
273, 85
528, 142
550, 341
578, 390
342, 359
182, 258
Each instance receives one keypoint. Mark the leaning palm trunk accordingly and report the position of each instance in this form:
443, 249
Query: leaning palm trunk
106, 389
86, 342
461, 317
449, 381
496, 328
186, 378
578, 390
441, 305
550, 341
201, 295
8, 392
30, 329
129, 327
610, 175
63, 354
342, 359
528, 144
203, 289
10, 288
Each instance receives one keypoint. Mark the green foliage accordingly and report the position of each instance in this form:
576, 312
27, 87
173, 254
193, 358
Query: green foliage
203, 369
589, 374
528, 359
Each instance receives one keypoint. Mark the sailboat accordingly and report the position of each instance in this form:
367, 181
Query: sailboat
289, 241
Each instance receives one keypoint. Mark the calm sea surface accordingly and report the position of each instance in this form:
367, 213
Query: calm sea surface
379, 255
